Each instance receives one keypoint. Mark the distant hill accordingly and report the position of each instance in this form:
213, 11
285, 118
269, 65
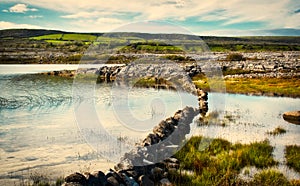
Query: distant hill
27, 33
24, 33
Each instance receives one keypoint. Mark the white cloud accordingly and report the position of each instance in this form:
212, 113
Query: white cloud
21, 8
274, 14
100, 25
81, 15
8, 25
92, 14
231, 32
35, 16
270, 13
108, 21
4, 10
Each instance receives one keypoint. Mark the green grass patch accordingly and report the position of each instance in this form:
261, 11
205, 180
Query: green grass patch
56, 42
179, 58
79, 37
152, 47
66, 37
257, 86
276, 86
292, 155
48, 37
270, 177
252, 47
218, 162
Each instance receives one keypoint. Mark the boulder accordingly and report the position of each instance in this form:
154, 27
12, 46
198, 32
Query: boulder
157, 173
113, 181
165, 182
292, 117
76, 178
145, 181
96, 179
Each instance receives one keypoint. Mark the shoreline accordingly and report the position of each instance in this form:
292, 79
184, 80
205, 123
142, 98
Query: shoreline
245, 86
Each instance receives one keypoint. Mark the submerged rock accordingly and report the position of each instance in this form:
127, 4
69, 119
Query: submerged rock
292, 117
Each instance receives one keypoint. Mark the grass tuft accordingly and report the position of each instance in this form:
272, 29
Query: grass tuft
292, 155
277, 131
270, 177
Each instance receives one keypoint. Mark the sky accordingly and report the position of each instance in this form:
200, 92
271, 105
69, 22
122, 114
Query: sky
210, 17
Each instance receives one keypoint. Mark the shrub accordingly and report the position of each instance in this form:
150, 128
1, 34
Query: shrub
270, 177
292, 155
235, 57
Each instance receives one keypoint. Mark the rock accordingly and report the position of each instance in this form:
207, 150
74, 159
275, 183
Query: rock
113, 177
165, 182
76, 178
124, 165
150, 140
202, 94
129, 180
145, 181
157, 173
172, 163
113, 181
71, 184
292, 117
96, 179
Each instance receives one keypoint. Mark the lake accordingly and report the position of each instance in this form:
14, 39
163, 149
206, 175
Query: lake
40, 130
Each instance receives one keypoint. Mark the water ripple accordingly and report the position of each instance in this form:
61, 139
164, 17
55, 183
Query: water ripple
35, 102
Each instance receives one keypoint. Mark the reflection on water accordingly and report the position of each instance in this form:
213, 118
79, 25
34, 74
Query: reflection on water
39, 129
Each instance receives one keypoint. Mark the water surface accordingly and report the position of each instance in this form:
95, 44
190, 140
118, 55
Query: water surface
39, 129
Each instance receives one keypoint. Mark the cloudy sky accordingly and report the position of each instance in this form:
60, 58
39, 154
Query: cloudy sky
209, 17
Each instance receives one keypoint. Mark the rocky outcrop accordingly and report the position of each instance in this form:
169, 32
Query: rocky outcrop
62, 73
262, 64
165, 74
254, 65
292, 117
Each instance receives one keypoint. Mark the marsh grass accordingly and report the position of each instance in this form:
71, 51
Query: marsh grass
220, 162
277, 131
258, 86
270, 177
276, 86
292, 155
218, 119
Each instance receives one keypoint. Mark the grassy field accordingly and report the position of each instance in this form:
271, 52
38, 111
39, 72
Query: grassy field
66, 37
258, 86
215, 44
